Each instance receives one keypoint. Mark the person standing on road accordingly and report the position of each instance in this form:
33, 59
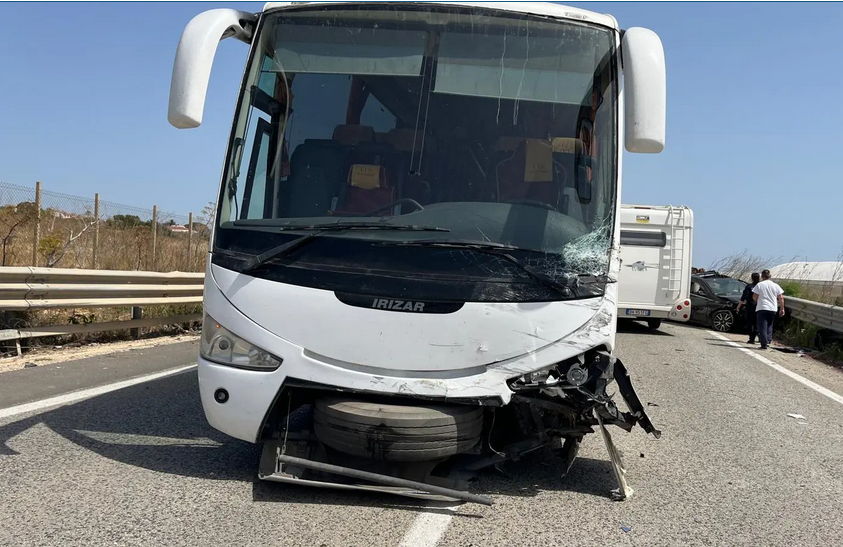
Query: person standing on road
769, 298
748, 300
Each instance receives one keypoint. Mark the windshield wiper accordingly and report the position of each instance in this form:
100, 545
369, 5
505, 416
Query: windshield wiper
320, 229
566, 286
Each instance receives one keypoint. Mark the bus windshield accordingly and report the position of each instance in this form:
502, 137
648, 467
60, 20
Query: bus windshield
493, 128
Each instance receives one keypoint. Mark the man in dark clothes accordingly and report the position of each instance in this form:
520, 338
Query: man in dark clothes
748, 301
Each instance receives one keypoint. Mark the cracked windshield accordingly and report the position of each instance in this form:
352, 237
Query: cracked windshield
495, 131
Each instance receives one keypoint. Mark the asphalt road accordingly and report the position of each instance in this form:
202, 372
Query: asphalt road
139, 466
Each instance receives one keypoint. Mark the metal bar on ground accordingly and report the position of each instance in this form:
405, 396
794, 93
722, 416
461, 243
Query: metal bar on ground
384, 479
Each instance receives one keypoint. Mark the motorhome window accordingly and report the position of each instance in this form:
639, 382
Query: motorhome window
643, 239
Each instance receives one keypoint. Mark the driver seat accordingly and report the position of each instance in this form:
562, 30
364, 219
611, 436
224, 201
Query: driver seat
367, 189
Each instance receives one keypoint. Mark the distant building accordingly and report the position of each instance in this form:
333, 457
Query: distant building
826, 277
821, 272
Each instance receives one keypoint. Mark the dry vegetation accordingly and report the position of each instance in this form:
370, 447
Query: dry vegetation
71, 236
741, 266
123, 242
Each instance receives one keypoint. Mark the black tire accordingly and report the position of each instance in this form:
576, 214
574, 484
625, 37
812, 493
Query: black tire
654, 323
723, 320
393, 432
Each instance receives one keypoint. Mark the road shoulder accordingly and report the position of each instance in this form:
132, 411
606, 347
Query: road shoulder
824, 374
41, 382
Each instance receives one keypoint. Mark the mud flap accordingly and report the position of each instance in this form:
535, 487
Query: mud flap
632, 400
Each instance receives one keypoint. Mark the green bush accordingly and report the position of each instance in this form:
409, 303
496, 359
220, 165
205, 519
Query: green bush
791, 288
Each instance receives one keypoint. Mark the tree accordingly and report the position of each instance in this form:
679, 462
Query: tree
55, 245
126, 221
208, 214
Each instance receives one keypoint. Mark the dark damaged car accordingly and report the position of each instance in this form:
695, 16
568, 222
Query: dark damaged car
714, 302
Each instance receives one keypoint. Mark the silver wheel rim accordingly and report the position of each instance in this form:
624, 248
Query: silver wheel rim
722, 321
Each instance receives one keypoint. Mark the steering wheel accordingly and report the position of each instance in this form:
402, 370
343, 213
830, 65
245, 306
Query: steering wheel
414, 203
534, 203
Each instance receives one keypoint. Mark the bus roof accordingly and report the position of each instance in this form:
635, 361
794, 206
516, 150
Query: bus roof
548, 9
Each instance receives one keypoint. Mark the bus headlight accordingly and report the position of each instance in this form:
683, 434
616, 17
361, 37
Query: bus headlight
220, 346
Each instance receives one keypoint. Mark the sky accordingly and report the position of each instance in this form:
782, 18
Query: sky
753, 115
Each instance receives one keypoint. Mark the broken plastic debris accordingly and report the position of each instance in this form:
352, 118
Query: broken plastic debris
626, 528
797, 416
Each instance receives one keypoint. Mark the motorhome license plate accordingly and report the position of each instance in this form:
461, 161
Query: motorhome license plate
644, 313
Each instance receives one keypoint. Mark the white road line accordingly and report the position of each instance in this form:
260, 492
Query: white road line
801, 379
77, 396
427, 529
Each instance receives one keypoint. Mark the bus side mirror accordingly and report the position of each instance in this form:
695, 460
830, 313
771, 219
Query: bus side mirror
645, 89
194, 58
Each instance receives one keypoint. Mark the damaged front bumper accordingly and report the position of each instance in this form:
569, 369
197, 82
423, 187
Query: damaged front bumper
297, 457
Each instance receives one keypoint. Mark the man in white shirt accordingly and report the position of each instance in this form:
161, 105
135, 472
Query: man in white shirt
769, 299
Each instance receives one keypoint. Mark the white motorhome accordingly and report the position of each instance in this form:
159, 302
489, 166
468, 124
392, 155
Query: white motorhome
412, 271
655, 274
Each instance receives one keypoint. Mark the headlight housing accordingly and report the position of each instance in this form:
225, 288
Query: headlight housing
546, 377
220, 346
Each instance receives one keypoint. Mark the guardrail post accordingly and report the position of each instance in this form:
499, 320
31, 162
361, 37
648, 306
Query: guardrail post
36, 236
96, 231
137, 313
154, 236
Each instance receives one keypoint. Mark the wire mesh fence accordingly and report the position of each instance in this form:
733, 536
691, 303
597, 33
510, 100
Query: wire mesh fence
39, 227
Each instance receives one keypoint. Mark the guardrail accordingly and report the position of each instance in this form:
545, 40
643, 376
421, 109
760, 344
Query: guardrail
822, 315
39, 288
31, 288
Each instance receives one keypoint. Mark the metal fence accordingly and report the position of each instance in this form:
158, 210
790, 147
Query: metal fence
51, 229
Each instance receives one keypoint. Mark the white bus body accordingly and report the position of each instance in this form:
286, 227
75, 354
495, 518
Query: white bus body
413, 267
655, 275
